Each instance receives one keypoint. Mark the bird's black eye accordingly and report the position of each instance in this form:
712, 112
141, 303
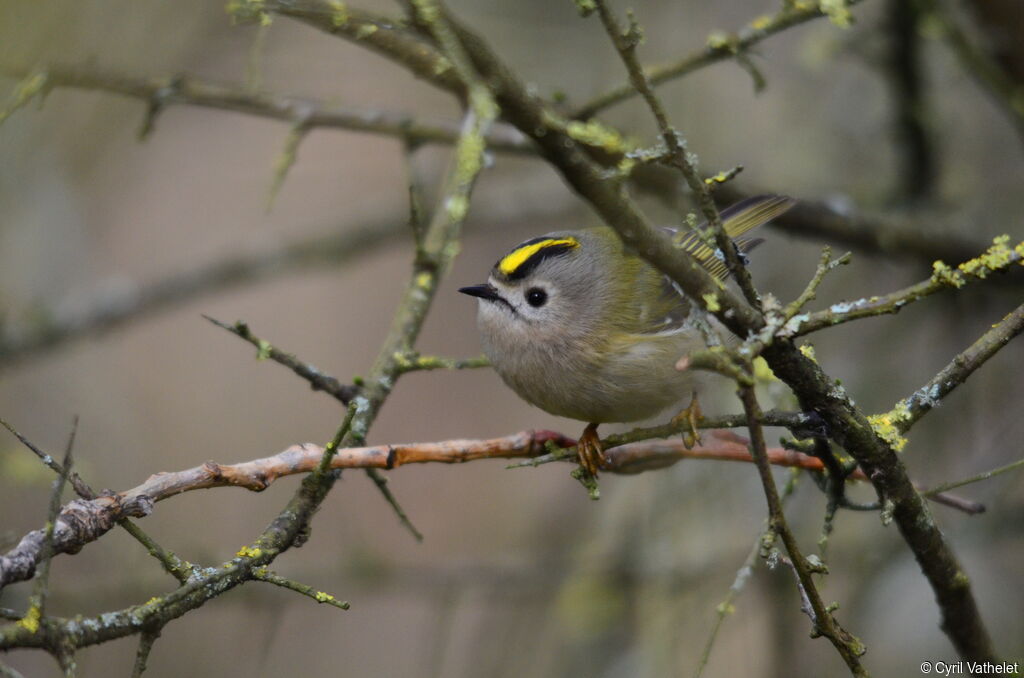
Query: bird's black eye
536, 297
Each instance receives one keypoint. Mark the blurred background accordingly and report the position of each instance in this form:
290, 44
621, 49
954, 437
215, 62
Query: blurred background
520, 573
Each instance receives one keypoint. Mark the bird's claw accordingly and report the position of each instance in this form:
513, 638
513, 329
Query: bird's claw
691, 416
590, 451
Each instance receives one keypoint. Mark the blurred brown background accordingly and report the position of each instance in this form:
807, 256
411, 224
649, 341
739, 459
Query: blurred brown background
520, 574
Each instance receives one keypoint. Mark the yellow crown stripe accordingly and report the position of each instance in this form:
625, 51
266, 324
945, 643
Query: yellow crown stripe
518, 256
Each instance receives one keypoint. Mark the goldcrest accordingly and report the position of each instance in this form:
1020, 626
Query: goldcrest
580, 326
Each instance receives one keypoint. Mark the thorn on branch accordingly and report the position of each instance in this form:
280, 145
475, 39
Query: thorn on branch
157, 102
296, 133
265, 575
35, 85
318, 380
146, 640
717, 180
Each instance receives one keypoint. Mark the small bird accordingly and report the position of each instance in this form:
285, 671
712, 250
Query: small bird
580, 326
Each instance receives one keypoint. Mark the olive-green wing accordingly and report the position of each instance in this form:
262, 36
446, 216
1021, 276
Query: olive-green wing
665, 308
737, 219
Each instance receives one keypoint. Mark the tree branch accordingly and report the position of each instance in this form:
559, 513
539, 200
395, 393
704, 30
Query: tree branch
849, 647
182, 90
719, 48
997, 259
110, 309
815, 390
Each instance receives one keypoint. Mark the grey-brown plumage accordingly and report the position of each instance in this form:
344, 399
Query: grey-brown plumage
580, 326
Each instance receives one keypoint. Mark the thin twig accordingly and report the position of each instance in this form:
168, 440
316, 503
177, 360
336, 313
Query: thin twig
174, 565
263, 574
35, 617
114, 307
678, 156
849, 647
958, 370
999, 257
816, 390
146, 640
719, 48
308, 112
1003, 89
945, 487
318, 380
725, 608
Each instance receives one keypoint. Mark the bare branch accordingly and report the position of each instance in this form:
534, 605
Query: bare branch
113, 308
997, 259
719, 48
318, 380
263, 574
307, 112
849, 647
945, 487
146, 640
725, 608
893, 424
999, 85
678, 156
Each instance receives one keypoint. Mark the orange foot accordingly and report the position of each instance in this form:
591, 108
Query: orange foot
691, 416
589, 450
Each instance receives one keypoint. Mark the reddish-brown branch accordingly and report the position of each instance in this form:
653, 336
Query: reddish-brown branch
82, 521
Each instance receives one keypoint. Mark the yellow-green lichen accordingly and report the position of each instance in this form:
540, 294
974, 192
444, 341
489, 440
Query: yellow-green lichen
888, 426
339, 13
322, 597
32, 86
808, 352
263, 350
942, 273
763, 373
762, 22
402, 360
837, 12
995, 258
719, 178
249, 552
719, 40
627, 165
366, 31
594, 133
247, 11
442, 65
586, 7
711, 301
458, 206
424, 279
30, 622
153, 601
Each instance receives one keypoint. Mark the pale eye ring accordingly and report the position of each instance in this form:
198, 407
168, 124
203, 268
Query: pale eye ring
536, 297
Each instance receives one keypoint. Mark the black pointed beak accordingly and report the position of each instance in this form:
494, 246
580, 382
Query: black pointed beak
482, 291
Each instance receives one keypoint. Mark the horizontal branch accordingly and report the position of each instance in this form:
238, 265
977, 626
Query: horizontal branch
109, 309
887, 236
82, 521
922, 401
305, 112
997, 259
